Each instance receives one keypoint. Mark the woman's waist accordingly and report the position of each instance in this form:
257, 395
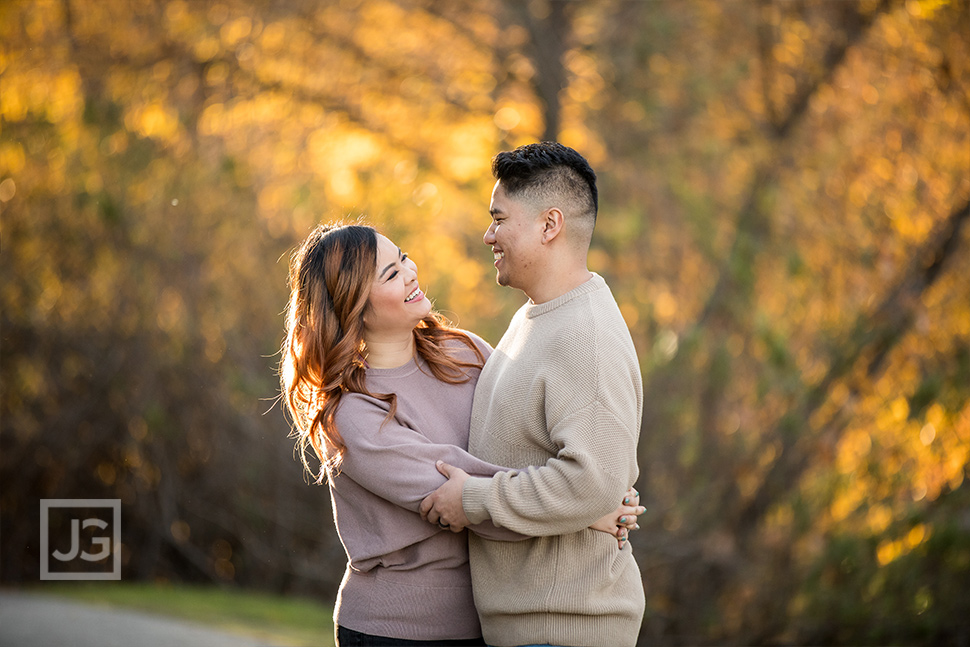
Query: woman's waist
419, 604
437, 559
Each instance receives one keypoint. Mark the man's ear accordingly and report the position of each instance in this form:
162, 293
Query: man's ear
553, 222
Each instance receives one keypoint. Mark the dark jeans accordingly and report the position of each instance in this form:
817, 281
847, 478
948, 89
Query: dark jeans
350, 638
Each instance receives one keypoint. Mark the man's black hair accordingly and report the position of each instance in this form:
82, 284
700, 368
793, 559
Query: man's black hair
547, 167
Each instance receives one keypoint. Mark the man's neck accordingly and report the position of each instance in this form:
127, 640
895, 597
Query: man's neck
389, 353
556, 284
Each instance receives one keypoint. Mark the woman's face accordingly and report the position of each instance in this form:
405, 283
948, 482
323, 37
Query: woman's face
396, 304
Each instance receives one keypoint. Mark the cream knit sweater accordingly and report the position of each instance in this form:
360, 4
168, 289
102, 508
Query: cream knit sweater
563, 391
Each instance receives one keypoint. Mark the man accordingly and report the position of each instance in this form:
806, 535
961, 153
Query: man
563, 392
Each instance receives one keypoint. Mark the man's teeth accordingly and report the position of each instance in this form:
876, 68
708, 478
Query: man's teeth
413, 295
498, 255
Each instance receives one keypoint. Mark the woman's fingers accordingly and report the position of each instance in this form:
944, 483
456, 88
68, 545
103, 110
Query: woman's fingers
628, 516
632, 497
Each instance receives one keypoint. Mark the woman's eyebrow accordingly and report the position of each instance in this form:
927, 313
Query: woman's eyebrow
390, 265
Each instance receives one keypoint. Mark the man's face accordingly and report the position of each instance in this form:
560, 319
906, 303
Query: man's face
515, 236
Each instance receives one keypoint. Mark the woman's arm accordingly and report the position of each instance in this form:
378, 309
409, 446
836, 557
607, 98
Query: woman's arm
394, 461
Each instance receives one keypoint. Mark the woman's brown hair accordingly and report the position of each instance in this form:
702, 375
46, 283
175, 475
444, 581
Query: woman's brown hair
324, 353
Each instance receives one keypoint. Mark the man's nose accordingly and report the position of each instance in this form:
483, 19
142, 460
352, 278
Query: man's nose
489, 237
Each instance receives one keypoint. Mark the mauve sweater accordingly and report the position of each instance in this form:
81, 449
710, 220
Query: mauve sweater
405, 577
563, 391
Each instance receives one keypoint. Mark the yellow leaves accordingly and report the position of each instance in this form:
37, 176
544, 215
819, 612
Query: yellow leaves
890, 550
587, 84
469, 149
335, 149
339, 154
234, 31
878, 518
843, 506
155, 120
12, 158
791, 49
853, 449
925, 8
520, 118
899, 410
213, 119
51, 95
206, 48
665, 307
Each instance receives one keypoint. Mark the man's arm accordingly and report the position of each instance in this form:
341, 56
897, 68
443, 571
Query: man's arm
570, 492
444, 507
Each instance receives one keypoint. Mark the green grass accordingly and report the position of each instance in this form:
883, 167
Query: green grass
283, 621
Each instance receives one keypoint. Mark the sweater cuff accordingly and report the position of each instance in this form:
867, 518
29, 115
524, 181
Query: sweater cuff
473, 497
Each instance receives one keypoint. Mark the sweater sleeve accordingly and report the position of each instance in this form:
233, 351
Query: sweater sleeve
391, 460
583, 482
397, 463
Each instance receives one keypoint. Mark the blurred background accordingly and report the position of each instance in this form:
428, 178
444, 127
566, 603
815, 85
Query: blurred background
785, 190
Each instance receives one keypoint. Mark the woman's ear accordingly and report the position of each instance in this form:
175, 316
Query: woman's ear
552, 225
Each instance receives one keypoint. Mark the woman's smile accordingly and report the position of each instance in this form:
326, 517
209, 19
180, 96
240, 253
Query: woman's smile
417, 295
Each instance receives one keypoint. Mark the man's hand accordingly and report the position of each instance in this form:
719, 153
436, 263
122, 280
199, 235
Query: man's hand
443, 506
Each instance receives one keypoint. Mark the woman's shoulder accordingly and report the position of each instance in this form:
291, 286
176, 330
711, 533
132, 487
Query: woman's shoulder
483, 346
481, 343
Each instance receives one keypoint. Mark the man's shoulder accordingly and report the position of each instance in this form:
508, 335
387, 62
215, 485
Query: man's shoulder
593, 318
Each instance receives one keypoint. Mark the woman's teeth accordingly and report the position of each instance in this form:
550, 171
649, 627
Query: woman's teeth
414, 295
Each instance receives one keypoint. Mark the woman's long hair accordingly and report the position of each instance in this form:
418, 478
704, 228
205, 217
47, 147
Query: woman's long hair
330, 279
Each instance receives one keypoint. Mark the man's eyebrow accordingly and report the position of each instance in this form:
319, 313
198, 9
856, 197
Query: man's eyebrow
390, 265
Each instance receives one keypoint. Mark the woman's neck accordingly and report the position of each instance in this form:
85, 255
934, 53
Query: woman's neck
389, 353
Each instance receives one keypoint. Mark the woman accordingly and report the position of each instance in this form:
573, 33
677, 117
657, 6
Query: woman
380, 386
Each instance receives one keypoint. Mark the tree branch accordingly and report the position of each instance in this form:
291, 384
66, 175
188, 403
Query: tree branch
874, 335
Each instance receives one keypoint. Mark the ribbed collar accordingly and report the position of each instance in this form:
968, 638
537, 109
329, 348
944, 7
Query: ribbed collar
595, 282
398, 371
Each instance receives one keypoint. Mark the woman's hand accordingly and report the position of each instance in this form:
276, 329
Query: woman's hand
621, 521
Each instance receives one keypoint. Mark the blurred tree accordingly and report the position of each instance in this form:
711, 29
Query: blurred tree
801, 200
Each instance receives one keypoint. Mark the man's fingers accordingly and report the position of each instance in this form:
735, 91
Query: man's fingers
444, 468
426, 506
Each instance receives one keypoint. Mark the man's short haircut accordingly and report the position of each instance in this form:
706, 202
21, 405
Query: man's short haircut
549, 171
